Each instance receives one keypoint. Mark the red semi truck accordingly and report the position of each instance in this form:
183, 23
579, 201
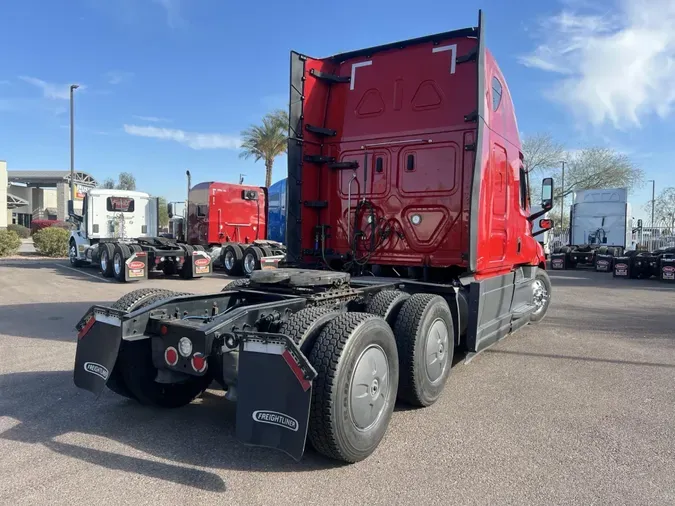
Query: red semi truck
409, 235
230, 221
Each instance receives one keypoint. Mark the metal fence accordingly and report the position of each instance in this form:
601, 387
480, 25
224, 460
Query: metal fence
651, 238
643, 239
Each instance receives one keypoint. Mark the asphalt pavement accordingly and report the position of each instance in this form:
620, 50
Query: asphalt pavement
577, 410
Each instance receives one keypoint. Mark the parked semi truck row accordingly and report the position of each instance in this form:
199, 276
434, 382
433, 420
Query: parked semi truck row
241, 227
659, 263
601, 228
403, 159
118, 232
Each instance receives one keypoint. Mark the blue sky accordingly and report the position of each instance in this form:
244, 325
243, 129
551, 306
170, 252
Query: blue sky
169, 84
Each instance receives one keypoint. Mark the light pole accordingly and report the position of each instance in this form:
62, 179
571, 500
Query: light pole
562, 197
653, 188
73, 87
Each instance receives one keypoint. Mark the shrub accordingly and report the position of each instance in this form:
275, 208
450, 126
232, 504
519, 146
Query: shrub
37, 225
21, 231
52, 242
62, 224
9, 243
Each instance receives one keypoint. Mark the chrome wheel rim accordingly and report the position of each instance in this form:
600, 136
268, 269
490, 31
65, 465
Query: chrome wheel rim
249, 263
369, 388
229, 260
539, 295
117, 263
437, 350
73, 254
104, 260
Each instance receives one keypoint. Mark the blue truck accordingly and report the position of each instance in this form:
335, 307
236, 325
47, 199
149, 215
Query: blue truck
276, 212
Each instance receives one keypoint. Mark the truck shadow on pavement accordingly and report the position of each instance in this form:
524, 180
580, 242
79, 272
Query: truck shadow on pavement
201, 434
52, 321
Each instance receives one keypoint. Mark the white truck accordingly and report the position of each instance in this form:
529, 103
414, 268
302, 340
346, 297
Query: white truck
118, 232
601, 228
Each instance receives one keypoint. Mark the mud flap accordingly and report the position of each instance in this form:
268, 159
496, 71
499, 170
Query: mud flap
274, 391
98, 343
622, 266
136, 267
202, 264
267, 263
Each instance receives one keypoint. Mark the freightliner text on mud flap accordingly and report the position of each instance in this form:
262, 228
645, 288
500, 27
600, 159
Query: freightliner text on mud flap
274, 393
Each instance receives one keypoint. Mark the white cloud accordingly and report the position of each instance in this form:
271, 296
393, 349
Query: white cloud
151, 119
51, 90
610, 68
172, 8
194, 140
118, 76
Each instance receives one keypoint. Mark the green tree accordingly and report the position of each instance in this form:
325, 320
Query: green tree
125, 181
664, 208
266, 141
163, 213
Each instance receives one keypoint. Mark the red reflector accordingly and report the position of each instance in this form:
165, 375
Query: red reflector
164, 330
198, 362
157, 261
171, 356
87, 327
140, 253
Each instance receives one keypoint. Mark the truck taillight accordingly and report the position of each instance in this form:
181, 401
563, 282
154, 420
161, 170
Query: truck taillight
198, 362
171, 356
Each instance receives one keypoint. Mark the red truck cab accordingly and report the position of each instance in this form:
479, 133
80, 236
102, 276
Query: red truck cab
230, 220
405, 161
219, 213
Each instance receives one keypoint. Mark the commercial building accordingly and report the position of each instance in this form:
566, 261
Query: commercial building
27, 195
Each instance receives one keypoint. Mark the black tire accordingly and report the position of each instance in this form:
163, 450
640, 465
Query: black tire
251, 261
129, 303
542, 277
305, 325
418, 316
387, 304
198, 247
105, 260
233, 268
236, 283
121, 254
72, 254
267, 251
336, 356
139, 372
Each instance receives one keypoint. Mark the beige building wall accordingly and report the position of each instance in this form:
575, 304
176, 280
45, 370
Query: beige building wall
4, 213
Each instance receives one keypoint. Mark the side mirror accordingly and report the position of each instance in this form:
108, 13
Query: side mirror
547, 193
169, 209
71, 207
545, 224
639, 224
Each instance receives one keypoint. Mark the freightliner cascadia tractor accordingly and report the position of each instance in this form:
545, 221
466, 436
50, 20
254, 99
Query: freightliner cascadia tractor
230, 221
409, 235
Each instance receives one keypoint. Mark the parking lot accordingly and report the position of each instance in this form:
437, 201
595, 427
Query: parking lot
577, 410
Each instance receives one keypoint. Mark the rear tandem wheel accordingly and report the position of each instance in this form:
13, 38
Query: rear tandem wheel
354, 392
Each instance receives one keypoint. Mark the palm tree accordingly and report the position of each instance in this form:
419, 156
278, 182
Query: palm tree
266, 141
